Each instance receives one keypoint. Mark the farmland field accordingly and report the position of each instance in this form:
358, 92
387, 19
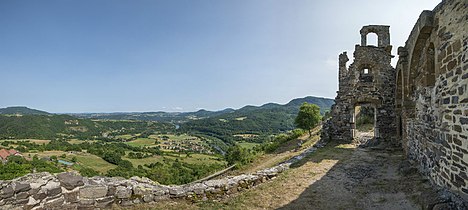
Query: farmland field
83, 159
142, 142
77, 141
37, 141
192, 159
247, 145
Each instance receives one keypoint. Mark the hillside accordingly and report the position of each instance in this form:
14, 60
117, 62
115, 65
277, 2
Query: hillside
66, 126
181, 117
267, 119
21, 110
174, 117
260, 121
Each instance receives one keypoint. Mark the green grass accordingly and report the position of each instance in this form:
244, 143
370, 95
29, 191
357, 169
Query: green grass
94, 162
247, 145
142, 142
77, 141
197, 159
192, 159
126, 136
178, 137
37, 141
83, 159
143, 161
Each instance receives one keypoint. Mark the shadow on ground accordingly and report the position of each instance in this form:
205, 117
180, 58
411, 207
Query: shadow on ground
363, 179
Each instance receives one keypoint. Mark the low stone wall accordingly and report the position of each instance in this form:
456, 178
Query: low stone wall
71, 191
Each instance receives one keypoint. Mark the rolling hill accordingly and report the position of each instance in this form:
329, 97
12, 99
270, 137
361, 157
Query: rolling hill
22, 110
269, 118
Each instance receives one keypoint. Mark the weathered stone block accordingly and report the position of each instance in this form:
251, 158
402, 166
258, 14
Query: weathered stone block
21, 187
148, 198
177, 191
52, 188
55, 203
7, 192
22, 195
70, 180
93, 191
86, 202
71, 196
111, 190
105, 202
123, 192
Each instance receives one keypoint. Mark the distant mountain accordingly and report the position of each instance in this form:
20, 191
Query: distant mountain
269, 118
66, 126
182, 117
22, 110
175, 117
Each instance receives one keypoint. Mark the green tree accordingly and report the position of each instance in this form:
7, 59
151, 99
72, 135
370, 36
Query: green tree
238, 155
308, 117
88, 172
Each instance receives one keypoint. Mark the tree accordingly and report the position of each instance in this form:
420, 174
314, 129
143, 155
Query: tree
308, 117
238, 155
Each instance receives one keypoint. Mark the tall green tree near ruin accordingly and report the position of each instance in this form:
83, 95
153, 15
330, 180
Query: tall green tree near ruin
308, 117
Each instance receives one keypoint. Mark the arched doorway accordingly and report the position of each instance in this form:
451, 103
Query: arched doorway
365, 128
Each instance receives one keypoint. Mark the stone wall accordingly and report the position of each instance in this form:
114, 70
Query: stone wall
432, 95
72, 191
423, 104
69, 190
369, 80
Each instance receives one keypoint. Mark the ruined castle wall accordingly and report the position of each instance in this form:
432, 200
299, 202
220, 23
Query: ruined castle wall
432, 95
369, 80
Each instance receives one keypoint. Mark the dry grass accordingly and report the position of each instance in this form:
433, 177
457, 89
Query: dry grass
275, 193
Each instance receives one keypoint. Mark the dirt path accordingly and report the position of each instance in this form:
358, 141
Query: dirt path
338, 176
368, 179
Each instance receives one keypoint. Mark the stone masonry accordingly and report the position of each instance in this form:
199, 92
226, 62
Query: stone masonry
432, 95
370, 81
71, 191
423, 102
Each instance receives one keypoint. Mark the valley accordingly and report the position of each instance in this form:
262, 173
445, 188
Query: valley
170, 148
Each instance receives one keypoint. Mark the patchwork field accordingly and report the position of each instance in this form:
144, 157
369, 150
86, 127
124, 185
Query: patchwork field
142, 142
37, 141
83, 159
77, 141
192, 159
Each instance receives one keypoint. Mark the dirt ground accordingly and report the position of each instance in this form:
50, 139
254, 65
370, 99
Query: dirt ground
366, 179
338, 176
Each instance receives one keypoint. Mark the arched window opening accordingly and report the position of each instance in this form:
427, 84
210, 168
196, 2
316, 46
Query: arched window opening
372, 39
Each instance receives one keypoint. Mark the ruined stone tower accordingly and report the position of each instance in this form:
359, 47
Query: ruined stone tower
423, 103
368, 81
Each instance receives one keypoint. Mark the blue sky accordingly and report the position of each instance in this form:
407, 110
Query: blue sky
182, 55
